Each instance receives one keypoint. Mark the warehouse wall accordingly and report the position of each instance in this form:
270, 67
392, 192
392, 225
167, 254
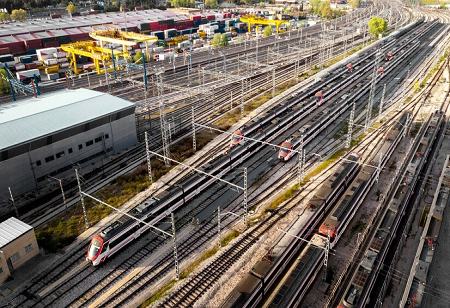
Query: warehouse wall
29, 170
17, 253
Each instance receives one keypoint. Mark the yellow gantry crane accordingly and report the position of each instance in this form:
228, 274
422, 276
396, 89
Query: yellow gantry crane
101, 54
257, 21
115, 36
91, 50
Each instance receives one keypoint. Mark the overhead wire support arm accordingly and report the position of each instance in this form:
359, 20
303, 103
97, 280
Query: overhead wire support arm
199, 171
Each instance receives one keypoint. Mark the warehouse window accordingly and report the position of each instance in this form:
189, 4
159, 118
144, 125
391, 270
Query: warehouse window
80, 146
70, 150
38, 163
1, 270
60, 154
106, 136
49, 159
28, 248
90, 142
15, 257
98, 139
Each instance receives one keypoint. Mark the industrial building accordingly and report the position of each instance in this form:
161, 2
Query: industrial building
17, 245
58, 132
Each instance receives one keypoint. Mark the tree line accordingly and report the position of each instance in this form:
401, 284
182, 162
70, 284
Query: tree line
11, 5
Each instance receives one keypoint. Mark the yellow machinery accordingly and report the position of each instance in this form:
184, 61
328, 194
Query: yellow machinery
126, 39
99, 53
252, 20
91, 50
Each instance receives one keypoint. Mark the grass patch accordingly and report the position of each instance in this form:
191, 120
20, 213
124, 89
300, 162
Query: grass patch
281, 198
358, 227
159, 293
208, 254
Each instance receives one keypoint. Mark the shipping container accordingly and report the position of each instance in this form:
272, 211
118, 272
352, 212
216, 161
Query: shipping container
54, 16
25, 59
26, 76
52, 69
50, 61
52, 76
51, 44
60, 54
4, 51
30, 66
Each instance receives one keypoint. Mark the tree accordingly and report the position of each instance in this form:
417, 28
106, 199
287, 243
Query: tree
4, 16
215, 42
377, 25
71, 9
223, 40
261, 4
267, 31
211, 3
355, 3
19, 14
315, 6
4, 85
325, 10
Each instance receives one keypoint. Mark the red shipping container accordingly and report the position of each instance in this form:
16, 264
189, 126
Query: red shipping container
211, 17
51, 44
4, 51
163, 27
189, 23
196, 17
30, 66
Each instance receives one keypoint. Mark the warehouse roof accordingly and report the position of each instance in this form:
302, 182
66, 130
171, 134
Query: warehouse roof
31, 26
36, 118
12, 229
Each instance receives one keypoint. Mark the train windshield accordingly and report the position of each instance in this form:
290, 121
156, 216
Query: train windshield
94, 247
236, 137
285, 149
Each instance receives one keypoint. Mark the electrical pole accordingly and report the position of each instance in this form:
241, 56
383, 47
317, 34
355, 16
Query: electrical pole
164, 133
175, 253
372, 91
194, 141
273, 83
86, 221
382, 102
149, 165
325, 260
13, 203
218, 227
350, 127
245, 196
242, 99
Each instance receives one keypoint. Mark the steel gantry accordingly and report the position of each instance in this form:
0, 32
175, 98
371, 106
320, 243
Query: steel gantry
113, 35
253, 20
91, 50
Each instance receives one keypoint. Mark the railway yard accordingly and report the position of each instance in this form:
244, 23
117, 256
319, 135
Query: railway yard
305, 169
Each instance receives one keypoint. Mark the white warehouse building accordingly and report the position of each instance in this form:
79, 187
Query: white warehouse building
55, 133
